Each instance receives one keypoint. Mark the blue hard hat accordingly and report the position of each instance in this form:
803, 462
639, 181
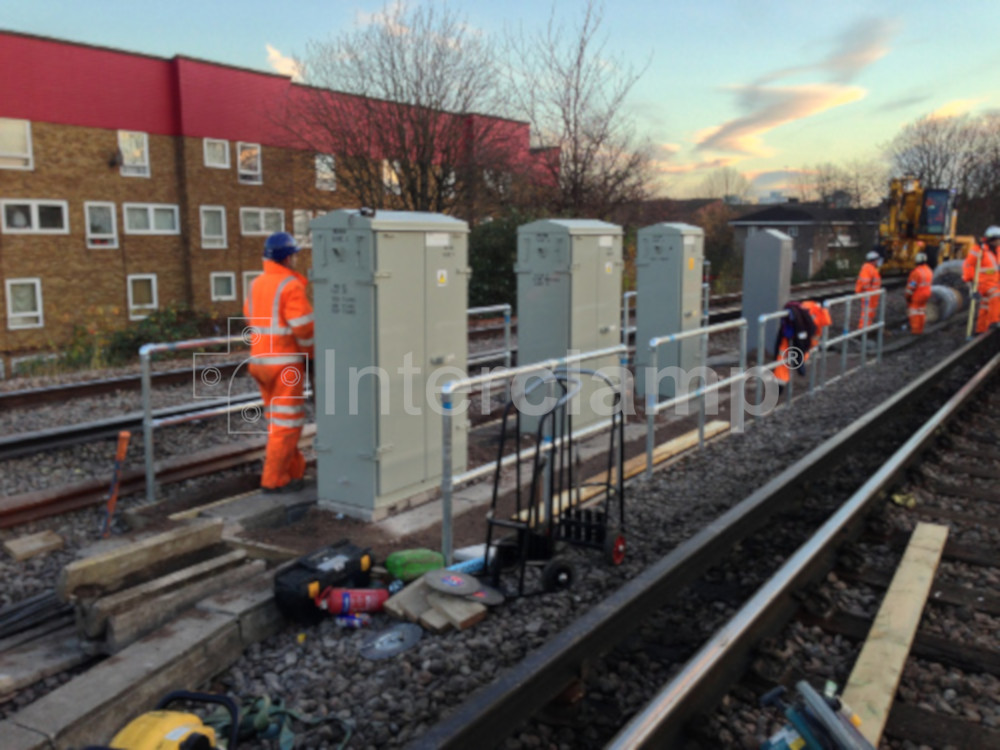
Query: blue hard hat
279, 246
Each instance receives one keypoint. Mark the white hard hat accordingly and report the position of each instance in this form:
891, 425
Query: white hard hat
992, 233
873, 255
920, 258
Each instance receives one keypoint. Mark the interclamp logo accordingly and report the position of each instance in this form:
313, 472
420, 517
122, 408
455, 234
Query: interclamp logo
793, 358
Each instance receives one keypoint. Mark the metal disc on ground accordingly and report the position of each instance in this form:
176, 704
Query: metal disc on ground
487, 595
452, 582
391, 641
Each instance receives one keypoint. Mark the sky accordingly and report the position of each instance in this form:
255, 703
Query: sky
767, 87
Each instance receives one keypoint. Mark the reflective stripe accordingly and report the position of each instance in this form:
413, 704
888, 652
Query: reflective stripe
277, 359
277, 302
278, 422
282, 409
304, 342
272, 331
296, 322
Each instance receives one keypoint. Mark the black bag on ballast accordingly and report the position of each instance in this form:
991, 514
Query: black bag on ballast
341, 565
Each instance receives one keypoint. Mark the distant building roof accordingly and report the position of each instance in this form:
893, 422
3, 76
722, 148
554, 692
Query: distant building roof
803, 213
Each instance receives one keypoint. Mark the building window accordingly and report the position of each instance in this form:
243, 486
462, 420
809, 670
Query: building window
24, 303
261, 221
248, 277
248, 156
326, 174
216, 153
223, 287
793, 231
134, 149
15, 144
151, 218
390, 177
213, 227
35, 216
300, 226
102, 229
141, 295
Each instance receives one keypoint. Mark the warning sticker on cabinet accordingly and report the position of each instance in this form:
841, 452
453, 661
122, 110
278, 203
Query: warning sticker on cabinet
609, 267
438, 239
690, 264
442, 277
605, 240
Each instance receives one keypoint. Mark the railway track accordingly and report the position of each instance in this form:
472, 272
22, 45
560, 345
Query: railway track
778, 539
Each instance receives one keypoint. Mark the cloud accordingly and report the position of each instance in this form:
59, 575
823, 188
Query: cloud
903, 103
283, 64
667, 167
956, 108
769, 107
387, 17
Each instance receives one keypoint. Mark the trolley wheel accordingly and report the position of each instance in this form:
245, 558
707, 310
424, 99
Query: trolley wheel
614, 548
557, 575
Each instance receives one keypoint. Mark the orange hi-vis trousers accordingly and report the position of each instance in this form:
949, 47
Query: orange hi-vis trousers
282, 388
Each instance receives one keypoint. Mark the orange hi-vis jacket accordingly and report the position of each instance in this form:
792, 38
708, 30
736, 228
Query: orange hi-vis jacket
918, 285
282, 318
821, 317
988, 277
869, 280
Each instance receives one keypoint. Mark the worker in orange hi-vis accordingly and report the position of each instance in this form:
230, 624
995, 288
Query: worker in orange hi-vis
281, 325
869, 280
918, 291
795, 328
980, 270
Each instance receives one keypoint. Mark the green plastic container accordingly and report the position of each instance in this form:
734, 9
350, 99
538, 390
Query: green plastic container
409, 564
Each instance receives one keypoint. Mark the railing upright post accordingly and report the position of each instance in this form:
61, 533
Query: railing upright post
147, 422
739, 410
866, 305
824, 339
844, 344
761, 328
446, 475
508, 355
881, 328
704, 385
652, 396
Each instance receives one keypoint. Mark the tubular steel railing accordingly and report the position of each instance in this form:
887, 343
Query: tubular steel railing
506, 351
652, 383
848, 334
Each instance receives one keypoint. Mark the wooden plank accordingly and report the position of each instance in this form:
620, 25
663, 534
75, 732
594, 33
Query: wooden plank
634, 466
93, 615
109, 570
33, 545
462, 613
931, 728
55, 623
873, 682
126, 627
410, 603
435, 621
260, 550
41, 658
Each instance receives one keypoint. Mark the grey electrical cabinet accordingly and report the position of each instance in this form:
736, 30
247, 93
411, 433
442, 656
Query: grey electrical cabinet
669, 270
767, 278
569, 287
390, 293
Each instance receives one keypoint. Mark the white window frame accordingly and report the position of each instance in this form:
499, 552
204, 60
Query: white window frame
149, 210
10, 304
33, 204
323, 162
391, 177
91, 237
793, 231
147, 171
262, 232
141, 312
206, 142
232, 280
30, 156
225, 239
303, 240
248, 277
247, 177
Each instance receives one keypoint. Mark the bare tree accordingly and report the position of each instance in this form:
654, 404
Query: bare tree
395, 103
726, 183
942, 152
574, 94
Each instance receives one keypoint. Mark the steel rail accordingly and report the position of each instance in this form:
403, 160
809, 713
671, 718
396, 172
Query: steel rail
706, 675
491, 712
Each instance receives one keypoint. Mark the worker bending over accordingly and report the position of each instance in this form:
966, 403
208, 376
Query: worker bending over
988, 287
869, 280
802, 329
918, 291
281, 319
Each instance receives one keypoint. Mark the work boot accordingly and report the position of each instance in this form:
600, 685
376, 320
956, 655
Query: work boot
294, 486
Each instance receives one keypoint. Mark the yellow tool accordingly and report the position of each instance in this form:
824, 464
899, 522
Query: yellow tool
161, 729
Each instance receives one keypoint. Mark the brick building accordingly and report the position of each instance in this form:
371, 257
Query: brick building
129, 183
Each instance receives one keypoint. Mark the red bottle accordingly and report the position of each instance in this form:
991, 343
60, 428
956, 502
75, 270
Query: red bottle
343, 601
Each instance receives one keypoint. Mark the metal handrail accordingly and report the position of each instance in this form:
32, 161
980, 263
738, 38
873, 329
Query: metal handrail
626, 310
848, 334
448, 478
506, 309
762, 321
654, 407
